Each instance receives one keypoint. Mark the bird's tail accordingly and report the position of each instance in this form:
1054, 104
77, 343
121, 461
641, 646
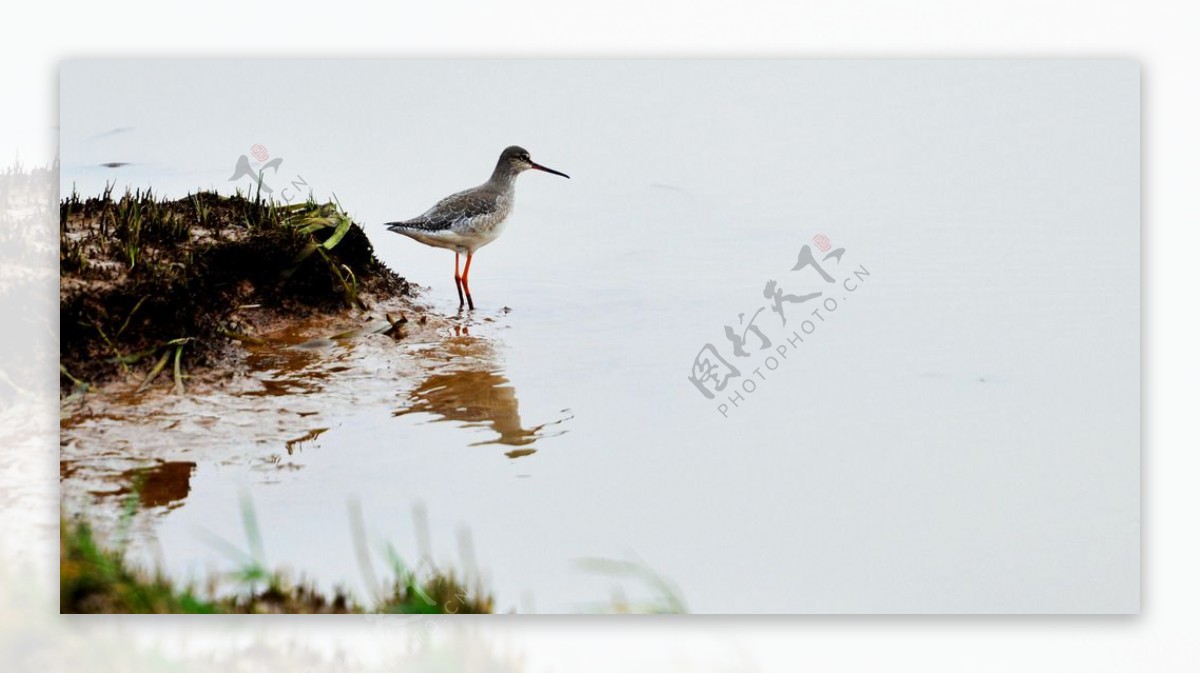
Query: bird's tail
398, 227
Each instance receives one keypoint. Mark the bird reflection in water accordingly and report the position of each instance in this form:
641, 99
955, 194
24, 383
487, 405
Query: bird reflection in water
472, 391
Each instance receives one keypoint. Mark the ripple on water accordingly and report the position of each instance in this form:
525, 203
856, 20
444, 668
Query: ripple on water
293, 390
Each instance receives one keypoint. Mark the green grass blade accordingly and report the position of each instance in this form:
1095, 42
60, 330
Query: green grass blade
343, 227
178, 370
154, 372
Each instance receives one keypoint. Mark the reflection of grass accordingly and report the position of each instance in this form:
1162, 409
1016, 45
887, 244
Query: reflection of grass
95, 578
668, 599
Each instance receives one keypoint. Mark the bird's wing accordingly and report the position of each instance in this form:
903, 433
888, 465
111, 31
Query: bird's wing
463, 205
454, 208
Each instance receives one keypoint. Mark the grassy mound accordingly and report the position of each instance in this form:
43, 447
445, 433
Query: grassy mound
146, 281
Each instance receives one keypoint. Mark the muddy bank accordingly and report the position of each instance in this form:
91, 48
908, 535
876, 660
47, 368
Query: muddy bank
155, 290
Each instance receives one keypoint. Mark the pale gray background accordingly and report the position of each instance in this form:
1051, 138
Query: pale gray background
996, 202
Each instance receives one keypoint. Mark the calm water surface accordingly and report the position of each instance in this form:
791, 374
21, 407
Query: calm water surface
557, 422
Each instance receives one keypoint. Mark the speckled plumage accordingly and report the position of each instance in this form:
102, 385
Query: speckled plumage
468, 220
463, 222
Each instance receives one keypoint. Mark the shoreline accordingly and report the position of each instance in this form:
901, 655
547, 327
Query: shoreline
154, 288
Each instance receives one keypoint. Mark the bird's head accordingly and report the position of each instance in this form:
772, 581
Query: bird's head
516, 159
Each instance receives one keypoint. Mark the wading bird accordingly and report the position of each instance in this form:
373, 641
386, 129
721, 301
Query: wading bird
466, 221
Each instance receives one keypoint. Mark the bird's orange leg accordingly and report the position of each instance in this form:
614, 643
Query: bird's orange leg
466, 285
458, 281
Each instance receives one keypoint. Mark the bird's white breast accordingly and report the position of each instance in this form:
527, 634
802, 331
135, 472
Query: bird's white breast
483, 229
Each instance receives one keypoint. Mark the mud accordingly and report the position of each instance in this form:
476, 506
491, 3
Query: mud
142, 278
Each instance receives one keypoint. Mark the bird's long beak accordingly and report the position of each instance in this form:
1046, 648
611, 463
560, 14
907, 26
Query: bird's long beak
548, 170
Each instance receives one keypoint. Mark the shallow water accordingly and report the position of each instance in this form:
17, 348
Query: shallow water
982, 371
